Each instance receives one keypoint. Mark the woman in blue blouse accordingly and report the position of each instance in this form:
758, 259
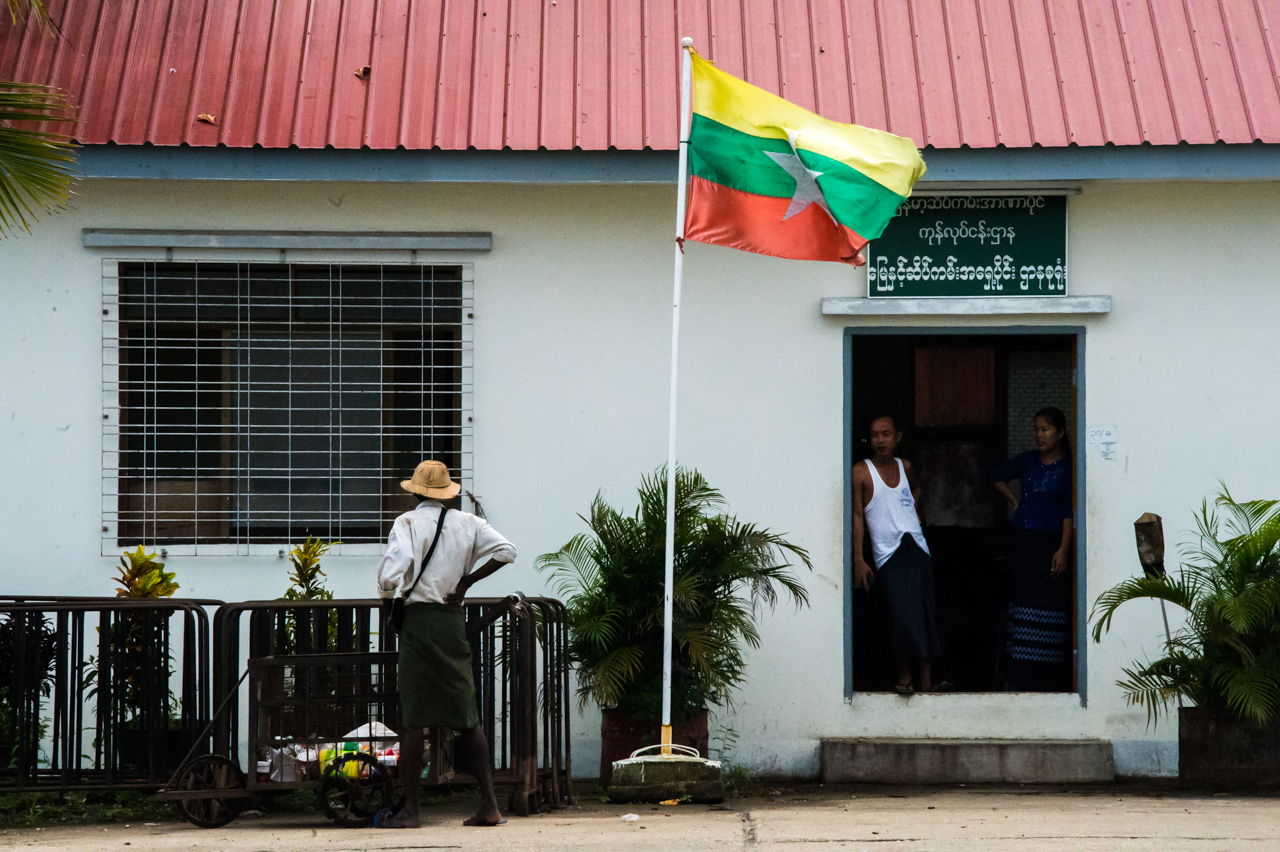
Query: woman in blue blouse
1038, 642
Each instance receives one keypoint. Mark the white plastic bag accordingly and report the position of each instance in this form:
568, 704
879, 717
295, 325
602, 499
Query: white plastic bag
285, 766
371, 731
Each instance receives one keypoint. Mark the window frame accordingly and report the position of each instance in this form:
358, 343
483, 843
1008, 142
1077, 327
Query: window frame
111, 397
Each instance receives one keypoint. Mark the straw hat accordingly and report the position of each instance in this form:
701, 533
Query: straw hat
431, 479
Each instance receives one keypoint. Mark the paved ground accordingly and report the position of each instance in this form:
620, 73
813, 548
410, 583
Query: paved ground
806, 817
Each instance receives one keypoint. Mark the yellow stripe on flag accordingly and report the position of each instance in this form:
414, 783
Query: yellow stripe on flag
891, 161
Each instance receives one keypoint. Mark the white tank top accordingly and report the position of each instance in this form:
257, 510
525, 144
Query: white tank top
891, 514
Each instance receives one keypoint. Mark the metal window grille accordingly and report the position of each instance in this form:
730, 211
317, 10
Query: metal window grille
259, 403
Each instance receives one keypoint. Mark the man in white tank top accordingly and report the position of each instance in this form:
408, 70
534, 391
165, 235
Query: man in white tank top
885, 493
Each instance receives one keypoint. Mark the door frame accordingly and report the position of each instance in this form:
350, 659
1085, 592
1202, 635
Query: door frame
1082, 608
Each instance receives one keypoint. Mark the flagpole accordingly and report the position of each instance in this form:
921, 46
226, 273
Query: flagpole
669, 553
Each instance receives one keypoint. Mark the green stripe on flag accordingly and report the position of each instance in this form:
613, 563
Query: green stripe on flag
738, 160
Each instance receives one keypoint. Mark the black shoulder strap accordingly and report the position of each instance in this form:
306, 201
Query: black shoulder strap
444, 510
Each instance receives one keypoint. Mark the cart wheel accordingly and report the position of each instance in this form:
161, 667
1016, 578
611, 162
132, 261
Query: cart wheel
351, 796
205, 773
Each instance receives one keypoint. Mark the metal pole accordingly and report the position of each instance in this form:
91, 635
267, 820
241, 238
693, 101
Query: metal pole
1168, 636
670, 550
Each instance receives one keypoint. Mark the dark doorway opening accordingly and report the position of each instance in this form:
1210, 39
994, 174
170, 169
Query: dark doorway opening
965, 403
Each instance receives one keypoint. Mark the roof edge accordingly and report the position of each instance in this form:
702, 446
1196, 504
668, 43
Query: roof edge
1219, 162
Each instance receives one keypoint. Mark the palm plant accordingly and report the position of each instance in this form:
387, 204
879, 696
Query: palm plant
1227, 655
612, 580
36, 167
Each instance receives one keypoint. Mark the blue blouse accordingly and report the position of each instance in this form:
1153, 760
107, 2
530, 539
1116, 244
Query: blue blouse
1046, 490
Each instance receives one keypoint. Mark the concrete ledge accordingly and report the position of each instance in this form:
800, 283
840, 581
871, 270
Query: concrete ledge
356, 240
857, 306
890, 760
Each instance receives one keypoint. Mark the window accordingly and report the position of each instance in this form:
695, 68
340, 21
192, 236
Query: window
259, 403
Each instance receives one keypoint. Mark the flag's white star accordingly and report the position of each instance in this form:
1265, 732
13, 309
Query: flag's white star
807, 190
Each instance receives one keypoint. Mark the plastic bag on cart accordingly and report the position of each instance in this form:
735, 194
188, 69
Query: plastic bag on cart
372, 734
289, 763
370, 738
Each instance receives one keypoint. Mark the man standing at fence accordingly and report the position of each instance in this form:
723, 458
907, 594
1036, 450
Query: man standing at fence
431, 557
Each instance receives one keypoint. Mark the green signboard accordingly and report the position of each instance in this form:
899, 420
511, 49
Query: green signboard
972, 245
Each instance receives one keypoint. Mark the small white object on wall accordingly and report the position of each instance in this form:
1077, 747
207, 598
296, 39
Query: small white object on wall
1106, 438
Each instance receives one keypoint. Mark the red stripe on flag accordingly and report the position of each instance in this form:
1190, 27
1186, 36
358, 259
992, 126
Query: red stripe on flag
728, 217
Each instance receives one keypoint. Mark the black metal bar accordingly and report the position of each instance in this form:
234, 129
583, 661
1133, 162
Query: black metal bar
135, 744
122, 686
105, 718
77, 719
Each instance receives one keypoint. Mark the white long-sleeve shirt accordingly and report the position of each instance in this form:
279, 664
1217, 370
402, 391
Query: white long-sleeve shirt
465, 542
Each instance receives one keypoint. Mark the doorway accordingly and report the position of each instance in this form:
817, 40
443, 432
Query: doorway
964, 402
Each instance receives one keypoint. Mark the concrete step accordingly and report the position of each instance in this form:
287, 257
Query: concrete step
893, 760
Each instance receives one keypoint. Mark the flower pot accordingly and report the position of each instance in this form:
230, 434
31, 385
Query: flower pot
621, 733
1221, 750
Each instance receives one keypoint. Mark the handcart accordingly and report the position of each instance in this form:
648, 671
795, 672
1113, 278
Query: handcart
323, 715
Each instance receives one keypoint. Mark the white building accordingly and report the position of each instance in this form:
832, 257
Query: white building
539, 281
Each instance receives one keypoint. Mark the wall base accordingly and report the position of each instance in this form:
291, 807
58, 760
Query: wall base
890, 760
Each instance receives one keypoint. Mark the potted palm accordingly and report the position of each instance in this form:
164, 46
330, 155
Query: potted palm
612, 581
1225, 660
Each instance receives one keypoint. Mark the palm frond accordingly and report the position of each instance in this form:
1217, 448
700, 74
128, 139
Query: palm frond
610, 676
573, 567
1251, 690
1160, 683
1175, 591
20, 10
36, 167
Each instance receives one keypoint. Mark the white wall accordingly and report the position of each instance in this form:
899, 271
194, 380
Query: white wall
572, 340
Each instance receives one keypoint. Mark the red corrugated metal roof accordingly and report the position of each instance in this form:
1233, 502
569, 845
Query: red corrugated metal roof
598, 74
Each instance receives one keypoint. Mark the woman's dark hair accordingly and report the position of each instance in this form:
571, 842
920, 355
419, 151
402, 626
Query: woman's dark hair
1057, 420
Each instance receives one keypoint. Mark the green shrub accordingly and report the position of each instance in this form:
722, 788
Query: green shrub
738, 782
1227, 656
21, 810
612, 582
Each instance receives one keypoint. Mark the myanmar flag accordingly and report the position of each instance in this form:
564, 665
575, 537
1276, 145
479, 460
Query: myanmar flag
772, 178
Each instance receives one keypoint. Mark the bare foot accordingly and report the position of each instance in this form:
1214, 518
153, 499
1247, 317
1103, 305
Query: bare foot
486, 818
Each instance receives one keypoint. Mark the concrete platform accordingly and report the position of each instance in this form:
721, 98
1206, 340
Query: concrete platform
657, 778
891, 760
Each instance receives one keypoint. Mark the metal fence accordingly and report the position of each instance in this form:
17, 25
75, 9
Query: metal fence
100, 692
113, 693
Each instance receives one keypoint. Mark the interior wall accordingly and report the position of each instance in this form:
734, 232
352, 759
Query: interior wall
1038, 379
